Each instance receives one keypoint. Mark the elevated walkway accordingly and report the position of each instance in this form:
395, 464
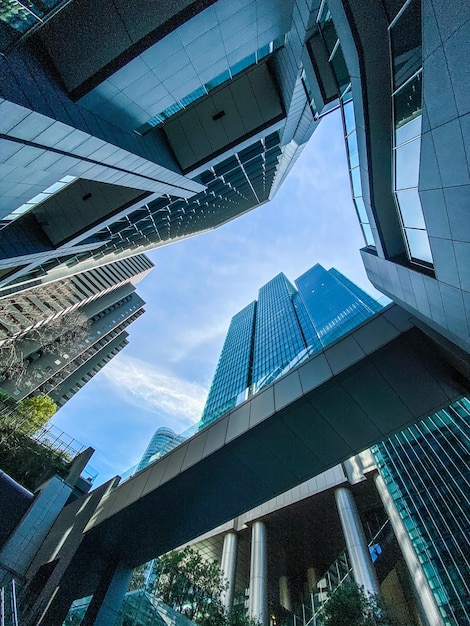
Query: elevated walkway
375, 381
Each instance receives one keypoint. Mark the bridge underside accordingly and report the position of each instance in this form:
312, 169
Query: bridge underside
394, 387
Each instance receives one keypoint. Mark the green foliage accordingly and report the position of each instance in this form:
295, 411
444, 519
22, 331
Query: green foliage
193, 587
36, 411
138, 578
27, 415
349, 605
238, 618
23, 458
27, 461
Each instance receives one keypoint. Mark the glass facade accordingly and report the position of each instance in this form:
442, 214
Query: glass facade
426, 469
343, 83
278, 336
163, 440
405, 43
233, 370
284, 327
19, 16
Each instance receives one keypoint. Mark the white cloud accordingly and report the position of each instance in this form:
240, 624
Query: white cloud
143, 385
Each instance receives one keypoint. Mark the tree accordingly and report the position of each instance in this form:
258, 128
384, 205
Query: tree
26, 460
193, 587
58, 335
36, 411
27, 415
349, 605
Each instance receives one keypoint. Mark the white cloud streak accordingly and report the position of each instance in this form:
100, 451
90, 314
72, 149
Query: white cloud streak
143, 385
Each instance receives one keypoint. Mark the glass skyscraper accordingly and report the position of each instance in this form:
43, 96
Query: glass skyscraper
426, 470
163, 440
287, 324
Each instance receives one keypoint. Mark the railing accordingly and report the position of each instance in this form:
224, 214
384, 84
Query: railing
55, 439
336, 575
8, 607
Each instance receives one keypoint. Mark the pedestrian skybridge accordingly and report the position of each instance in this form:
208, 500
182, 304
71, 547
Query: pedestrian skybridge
378, 379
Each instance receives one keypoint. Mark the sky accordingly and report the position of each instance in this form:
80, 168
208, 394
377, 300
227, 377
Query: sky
163, 376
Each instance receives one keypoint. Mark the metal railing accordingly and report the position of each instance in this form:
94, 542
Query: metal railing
8, 606
56, 439
336, 575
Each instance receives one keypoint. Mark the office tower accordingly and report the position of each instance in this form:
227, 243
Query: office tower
56, 336
162, 441
426, 471
183, 117
286, 325
393, 67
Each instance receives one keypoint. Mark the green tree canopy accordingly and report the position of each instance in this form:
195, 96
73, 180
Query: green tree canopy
192, 586
36, 411
349, 605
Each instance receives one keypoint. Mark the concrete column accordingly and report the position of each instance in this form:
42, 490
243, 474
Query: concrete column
423, 593
358, 551
258, 606
228, 567
107, 600
285, 599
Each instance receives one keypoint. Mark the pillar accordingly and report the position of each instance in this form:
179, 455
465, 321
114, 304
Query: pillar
285, 599
258, 606
228, 567
423, 593
107, 600
358, 550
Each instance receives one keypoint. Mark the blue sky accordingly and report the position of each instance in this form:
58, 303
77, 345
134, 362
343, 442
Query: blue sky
162, 377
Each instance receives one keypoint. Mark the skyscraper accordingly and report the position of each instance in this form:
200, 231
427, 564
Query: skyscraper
56, 336
286, 325
162, 441
427, 473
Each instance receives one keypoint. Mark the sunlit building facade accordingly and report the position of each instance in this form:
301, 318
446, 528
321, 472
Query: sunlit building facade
286, 325
55, 336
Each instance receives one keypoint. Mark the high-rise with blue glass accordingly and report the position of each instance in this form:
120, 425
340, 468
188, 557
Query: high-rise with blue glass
426, 471
286, 325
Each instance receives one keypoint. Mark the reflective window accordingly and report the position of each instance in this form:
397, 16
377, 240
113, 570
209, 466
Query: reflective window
405, 42
349, 119
418, 242
407, 164
361, 209
407, 107
405, 36
356, 182
352, 149
328, 31
368, 236
340, 70
427, 474
19, 17
410, 207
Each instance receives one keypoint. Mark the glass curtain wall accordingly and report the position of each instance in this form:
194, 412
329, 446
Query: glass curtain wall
405, 44
343, 82
427, 471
